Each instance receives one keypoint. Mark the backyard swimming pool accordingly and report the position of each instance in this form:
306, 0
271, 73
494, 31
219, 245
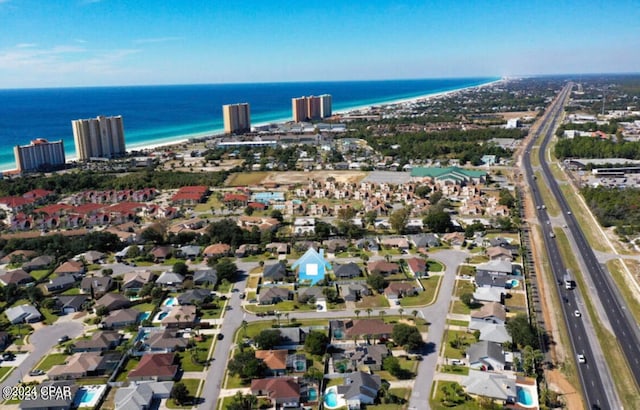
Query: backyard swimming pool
88, 396
332, 400
172, 301
312, 394
526, 396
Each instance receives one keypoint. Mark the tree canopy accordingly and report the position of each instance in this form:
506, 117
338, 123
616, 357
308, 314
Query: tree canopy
407, 336
316, 343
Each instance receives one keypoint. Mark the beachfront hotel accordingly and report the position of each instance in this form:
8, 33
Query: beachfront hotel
237, 118
39, 155
311, 108
101, 137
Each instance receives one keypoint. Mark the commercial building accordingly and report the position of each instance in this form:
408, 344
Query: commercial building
39, 155
311, 108
237, 118
101, 137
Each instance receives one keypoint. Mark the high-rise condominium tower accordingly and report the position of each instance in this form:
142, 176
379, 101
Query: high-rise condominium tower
237, 118
311, 108
101, 137
39, 155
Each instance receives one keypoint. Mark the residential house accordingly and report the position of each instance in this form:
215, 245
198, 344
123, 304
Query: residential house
499, 253
347, 271
489, 280
275, 273
113, 301
282, 391
180, 316
156, 367
247, 249
170, 279
17, 256
91, 257
397, 242
364, 358
163, 340
369, 244
336, 245
275, 360
354, 291
121, 318
194, 297
78, 365
304, 226
17, 277
491, 312
418, 267
422, 242
190, 252
383, 267
498, 386
349, 329
134, 281
454, 238
205, 277
40, 262
496, 267
161, 253
5, 340
23, 314
486, 355
492, 332
489, 294
60, 283
71, 304
140, 396
217, 250
397, 290
96, 286
100, 341
273, 295
313, 293
70, 267
61, 402
278, 248
312, 266
359, 388
292, 337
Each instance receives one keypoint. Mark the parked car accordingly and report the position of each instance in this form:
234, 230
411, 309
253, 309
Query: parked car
220, 336
8, 356
63, 339
36, 372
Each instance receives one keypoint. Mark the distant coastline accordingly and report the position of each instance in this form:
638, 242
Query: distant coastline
269, 104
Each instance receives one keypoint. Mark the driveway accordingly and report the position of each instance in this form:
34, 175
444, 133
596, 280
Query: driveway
41, 341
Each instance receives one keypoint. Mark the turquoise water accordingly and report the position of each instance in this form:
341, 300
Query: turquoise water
162, 315
300, 365
312, 394
163, 114
524, 396
84, 397
338, 334
331, 399
171, 302
144, 316
515, 283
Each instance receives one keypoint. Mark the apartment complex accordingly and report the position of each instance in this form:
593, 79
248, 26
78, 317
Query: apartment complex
39, 155
101, 137
237, 118
311, 108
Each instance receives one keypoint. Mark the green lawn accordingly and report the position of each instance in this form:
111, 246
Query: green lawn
187, 360
131, 364
39, 274
479, 259
338, 381
467, 270
53, 359
464, 286
284, 306
71, 292
49, 317
234, 382
405, 363
145, 307
517, 301
431, 285
453, 369
372, 301
460, 308
450, 335
253, 281
212, 313
4, 372
434, 266
437, 401
192, 386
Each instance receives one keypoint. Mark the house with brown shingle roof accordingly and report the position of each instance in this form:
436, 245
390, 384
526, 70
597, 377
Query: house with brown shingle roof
417, 266
216, 250
374, 328
156, 367
397, 290
275, 360
16, 277
121, 318
490, 312
19, 255
79, 365
70, 267
161, 253
113, 301
499, 253
135, 280
180, 316
383, 267
100, 340
279, 390
95, 285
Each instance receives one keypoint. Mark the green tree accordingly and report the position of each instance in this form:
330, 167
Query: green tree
181, 268
407, 336
377, 282
242, 402
268, 339
180, 393
438, 221
245, 365
316, 343
521, 331
226, 269
506, 198
398, 219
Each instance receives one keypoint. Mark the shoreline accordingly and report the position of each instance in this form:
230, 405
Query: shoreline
149, 146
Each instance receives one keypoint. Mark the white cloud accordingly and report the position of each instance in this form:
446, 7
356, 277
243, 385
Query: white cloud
25, 45
156, 40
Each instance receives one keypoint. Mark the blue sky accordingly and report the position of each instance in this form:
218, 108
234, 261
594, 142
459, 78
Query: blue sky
51, 43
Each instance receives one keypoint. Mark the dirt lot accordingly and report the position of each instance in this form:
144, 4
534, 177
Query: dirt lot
517, 114
299, 177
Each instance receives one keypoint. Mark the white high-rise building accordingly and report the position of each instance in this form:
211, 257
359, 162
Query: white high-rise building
101, 137
325, 106
39, 155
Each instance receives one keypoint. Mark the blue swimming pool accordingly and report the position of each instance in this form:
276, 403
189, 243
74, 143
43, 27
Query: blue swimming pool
84, 397
162, 315
524, 396
312, 394
144, 316
515, 283
331, 399
338, 334
171, 301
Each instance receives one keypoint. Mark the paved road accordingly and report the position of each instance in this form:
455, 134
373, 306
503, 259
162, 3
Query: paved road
597, 392
42, 341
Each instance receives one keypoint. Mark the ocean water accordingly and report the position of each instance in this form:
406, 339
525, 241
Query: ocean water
159, 114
